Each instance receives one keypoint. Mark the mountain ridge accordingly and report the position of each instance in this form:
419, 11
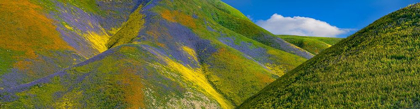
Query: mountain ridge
164, 53
314, 45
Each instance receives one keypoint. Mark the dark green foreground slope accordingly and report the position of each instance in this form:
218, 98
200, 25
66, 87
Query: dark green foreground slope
377, 67
314, 45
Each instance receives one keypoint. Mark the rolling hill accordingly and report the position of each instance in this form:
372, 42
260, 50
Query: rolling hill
41, 37
314, 45
377, 67
135, 54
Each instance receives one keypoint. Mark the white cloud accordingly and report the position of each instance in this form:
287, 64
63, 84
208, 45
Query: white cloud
303, 26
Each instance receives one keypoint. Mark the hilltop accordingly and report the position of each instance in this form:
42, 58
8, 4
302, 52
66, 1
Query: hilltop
136, 54
377, 67
314, 45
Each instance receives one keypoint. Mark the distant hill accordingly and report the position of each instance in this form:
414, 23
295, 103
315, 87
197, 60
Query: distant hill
377, 67
315, 45
135, 54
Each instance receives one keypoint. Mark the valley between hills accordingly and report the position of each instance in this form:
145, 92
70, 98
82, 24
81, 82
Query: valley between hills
196, 54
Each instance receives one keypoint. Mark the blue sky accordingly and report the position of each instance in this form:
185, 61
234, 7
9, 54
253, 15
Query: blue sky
347, 15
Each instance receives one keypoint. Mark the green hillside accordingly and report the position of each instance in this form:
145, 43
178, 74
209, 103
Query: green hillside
135, 54
377, 67
314, 45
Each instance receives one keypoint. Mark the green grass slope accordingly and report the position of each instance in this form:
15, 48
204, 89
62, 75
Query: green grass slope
377, 67
314, 45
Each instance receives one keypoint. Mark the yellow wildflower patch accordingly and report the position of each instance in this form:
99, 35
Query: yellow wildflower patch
197, 77
190, 52
98, 41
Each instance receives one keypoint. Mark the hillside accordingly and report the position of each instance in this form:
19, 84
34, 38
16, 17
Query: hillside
377, 67
136, 54
41, 37
314, 45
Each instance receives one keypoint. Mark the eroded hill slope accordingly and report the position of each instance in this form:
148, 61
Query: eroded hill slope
157, 53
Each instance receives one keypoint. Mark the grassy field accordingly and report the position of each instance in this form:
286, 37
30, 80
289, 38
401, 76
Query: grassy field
377, 67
